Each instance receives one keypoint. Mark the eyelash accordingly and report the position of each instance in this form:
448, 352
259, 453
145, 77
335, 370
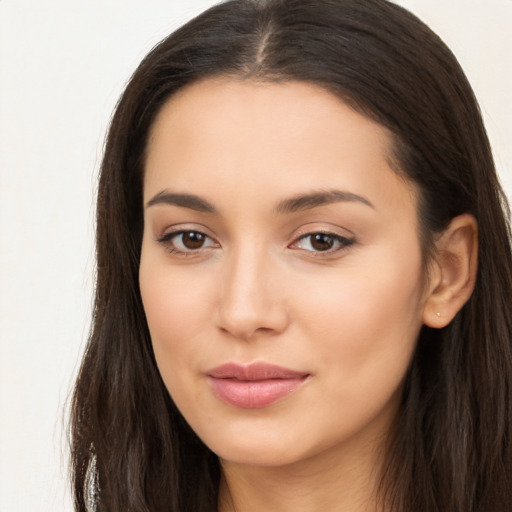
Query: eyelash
340, 242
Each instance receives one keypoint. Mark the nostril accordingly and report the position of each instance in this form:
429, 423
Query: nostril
248, 330
263, 329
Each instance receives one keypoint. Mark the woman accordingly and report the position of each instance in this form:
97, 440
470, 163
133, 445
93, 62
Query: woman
304, 275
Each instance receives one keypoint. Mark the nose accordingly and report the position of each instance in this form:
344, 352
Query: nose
251, 302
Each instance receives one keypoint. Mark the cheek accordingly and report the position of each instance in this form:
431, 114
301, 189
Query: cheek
366, 322
177, 311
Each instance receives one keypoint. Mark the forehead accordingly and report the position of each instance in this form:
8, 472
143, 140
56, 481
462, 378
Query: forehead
293, 109
288, 136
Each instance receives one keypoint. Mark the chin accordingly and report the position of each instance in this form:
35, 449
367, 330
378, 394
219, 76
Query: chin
264, 448
267, 456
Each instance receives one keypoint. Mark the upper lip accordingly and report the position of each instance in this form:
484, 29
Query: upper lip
254, 372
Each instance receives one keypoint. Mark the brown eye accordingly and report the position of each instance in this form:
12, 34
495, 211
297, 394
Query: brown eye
193, 239
321, 242
186, 242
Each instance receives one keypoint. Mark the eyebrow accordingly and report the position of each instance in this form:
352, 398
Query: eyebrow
294, 204
314, 199
190, 201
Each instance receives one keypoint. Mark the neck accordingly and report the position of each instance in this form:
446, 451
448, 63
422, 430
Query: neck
334, 481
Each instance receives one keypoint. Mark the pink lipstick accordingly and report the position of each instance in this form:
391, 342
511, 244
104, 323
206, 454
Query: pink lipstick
253, 386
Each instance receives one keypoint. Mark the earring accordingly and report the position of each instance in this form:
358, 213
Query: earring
438, 314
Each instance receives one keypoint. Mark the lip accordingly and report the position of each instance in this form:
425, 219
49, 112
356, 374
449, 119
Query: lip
254, 386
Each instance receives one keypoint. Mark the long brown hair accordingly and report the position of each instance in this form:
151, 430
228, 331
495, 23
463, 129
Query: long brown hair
452, 446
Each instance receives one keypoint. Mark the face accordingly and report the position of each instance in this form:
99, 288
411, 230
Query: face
281, 271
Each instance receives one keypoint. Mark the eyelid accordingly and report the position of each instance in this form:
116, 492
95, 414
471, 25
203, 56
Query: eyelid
170, 230
324, 228
170, 235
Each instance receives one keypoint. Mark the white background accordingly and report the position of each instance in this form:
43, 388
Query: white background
62, 67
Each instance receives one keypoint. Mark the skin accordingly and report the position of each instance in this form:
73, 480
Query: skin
259, 290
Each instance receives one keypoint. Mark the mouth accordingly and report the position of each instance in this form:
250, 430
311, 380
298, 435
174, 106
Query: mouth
254, 386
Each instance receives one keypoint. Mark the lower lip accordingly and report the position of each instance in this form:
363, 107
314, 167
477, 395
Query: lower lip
254, 394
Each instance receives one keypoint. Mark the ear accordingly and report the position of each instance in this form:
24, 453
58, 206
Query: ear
453, 272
